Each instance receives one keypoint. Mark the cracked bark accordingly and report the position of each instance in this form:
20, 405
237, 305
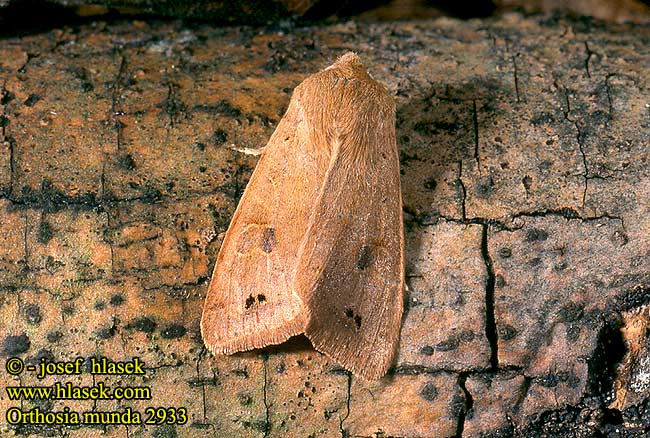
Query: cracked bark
580, 147
490, 324
342, 430
525, 180
514, 73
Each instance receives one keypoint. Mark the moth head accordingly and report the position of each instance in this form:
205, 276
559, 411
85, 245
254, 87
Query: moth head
349, 66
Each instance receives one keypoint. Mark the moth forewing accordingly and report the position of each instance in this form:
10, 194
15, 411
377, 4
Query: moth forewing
350, 272
251, 300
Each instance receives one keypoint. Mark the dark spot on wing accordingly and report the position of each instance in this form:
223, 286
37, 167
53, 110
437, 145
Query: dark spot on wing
365, 257
250, 301
268, 240
349, 313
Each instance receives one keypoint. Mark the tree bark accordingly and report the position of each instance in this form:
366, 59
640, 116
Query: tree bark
525, 177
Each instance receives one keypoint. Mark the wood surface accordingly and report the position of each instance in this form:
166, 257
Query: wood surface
525, 177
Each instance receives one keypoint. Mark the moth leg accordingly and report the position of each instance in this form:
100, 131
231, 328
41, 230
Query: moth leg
248, 151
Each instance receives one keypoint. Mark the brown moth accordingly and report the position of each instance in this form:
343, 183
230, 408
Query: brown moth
316, 244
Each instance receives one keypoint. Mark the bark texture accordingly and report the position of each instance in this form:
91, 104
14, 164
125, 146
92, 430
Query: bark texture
524, 147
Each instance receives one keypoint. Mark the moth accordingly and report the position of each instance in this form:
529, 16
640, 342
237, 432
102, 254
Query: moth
316, 243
